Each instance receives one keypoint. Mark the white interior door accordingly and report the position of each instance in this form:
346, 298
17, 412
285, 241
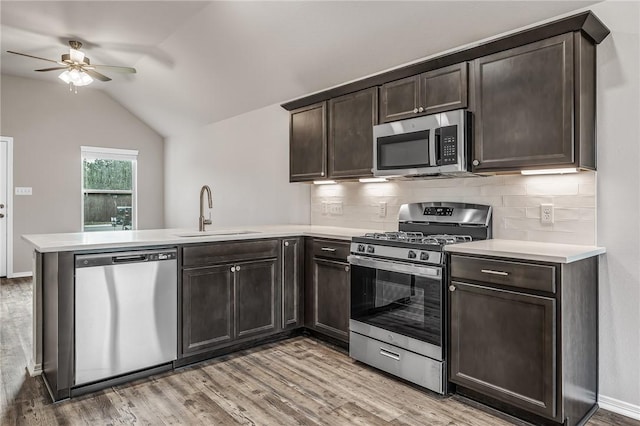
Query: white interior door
3, 206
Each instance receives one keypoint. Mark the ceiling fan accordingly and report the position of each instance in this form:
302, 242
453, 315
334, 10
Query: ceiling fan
78, 69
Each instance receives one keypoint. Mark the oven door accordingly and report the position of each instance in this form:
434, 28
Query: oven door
399, 297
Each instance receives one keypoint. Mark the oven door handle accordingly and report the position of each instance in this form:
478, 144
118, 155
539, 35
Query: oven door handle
418, 270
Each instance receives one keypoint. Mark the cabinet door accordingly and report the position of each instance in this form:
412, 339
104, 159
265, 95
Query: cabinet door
207, 308
255, 297
331, 286
524, 106
503, 345
308, 143
351, 121
292, 276
399, 99
444, 89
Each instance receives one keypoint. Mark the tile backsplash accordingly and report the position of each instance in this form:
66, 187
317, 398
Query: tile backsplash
515, 199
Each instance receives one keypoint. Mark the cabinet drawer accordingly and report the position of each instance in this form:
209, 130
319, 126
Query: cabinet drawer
514, 274
331, 249
206, 254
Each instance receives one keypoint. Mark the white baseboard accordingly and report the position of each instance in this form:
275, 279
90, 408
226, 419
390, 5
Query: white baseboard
21, 274
620, 407
34, 369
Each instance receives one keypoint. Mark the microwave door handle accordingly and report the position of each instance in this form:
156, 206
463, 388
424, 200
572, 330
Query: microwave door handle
437, 142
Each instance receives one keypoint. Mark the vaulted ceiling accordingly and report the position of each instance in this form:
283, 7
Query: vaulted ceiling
200, 62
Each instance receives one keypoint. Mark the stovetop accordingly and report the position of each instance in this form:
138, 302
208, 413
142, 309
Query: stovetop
425, 228
417, 238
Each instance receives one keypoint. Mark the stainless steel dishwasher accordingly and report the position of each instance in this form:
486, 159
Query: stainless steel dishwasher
125, 313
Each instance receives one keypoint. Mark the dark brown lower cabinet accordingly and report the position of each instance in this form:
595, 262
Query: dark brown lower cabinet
255, 284
232, 301
503, 344
207, 306
523, 336
327, 292
292, 280
331, 285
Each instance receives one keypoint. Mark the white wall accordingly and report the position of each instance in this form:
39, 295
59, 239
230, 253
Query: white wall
619, 202
245, 161
48, 124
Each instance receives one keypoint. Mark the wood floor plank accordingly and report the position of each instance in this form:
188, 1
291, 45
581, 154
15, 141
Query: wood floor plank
300, 381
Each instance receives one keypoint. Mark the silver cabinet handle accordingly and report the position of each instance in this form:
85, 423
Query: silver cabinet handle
329, 249
321, 173
475, 163
420, 109
389, 354
346, 268
237, 268
489, 271
415, 110
233, 269
452, 288
286, 243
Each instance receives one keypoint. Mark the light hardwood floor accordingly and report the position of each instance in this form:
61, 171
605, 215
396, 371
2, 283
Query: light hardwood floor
300, 381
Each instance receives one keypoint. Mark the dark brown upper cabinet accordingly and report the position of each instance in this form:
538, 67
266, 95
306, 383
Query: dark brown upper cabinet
435, 91
351, 121
308, 143
333, 139
534, 106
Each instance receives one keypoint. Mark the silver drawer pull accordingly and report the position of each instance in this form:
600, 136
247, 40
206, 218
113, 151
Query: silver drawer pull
489, 271
389, 354
329, 249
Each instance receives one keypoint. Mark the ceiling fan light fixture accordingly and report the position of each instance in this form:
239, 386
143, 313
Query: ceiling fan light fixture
75, 77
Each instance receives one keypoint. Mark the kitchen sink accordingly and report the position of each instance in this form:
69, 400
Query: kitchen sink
227, 232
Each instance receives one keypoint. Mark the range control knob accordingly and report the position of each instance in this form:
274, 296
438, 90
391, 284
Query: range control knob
411, 254
424, 255
370, 249
361, 247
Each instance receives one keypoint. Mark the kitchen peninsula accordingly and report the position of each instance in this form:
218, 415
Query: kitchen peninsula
254, 276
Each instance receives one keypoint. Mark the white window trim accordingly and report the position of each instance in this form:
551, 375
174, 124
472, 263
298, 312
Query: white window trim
93, 153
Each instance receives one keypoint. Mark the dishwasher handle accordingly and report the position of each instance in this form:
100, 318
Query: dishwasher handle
130, 259
121, 258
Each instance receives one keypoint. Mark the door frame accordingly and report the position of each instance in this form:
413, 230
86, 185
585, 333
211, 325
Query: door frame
9, 214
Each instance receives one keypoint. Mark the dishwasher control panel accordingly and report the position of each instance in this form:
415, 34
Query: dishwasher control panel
116, 258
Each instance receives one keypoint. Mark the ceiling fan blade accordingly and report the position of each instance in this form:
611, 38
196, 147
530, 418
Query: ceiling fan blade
117, 69
52, 69
96, 75
31, 56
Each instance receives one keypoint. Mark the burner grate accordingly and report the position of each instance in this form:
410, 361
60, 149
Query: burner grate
419, 238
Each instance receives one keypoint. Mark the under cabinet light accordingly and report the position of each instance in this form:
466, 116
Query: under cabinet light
549, 171
373, 180
324, 182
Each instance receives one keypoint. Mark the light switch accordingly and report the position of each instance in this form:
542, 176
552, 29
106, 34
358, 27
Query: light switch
23, 190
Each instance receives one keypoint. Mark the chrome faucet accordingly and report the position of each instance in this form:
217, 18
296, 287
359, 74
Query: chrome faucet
202, 221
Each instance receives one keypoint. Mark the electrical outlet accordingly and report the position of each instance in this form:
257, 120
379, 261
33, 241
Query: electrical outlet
23, 190
324, 208
546, 213
335, 208
382, 209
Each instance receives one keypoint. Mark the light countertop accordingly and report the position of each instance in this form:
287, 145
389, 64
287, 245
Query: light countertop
527, 250
153, 237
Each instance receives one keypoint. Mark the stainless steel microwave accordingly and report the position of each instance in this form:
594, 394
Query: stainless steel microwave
437, 144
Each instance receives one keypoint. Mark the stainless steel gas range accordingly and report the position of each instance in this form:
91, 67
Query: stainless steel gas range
397, 289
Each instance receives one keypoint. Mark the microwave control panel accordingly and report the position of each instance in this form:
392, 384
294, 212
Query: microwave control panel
447, 146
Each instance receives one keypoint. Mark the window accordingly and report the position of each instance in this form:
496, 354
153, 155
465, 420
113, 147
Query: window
108, 189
